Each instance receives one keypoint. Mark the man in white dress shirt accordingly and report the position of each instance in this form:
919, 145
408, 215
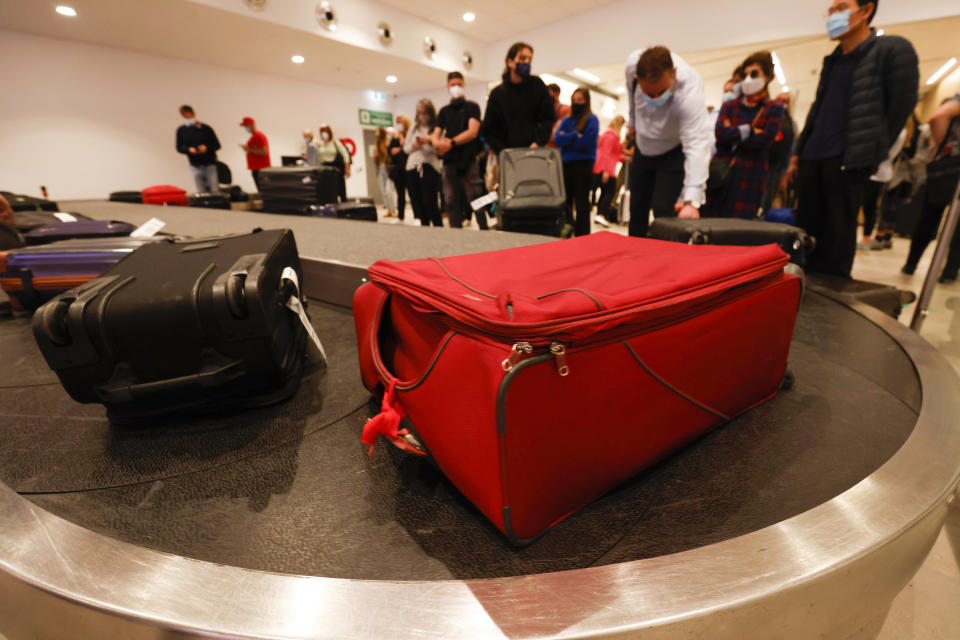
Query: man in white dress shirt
668, 117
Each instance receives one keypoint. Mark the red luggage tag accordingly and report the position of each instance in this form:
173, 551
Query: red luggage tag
387, 424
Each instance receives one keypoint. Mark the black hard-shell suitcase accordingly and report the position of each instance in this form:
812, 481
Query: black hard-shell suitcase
27, 221
346, 210
127, 196
208, 331
293, 189
19, 202
210, 201
884, 297
56, 231
733, 231
532, 195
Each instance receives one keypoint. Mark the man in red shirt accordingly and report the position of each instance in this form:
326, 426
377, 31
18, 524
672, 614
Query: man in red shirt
257, 148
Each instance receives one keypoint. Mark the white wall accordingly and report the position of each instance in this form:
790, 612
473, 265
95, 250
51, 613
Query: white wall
86, 120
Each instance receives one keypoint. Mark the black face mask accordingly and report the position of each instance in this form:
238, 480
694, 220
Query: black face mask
577, 110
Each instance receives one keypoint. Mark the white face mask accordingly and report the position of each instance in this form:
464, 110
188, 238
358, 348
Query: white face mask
249, 130
456, 92
753, 86
325, 136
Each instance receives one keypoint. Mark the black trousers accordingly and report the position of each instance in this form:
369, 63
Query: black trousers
926, 232
828, 201
655, 181
872, 191
399, 180
256, 177
577, 179
608, 190
424, 186
460, 190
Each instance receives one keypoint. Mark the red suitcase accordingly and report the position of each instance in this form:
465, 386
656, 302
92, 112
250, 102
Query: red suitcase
541, 377
165, 194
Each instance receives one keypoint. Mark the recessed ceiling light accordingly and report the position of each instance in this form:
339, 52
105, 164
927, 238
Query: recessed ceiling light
879, 32
391, 79
469, 17
296, 59
621, 89
64, 10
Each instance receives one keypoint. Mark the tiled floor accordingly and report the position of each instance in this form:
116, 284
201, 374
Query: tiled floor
929, 607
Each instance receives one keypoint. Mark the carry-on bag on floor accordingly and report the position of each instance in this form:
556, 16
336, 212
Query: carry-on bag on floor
165, 194
210, 201
541, 377
127, 196
531, 193
55, 231
346, 210
361, 199
33, 275
734, 231
19, 202
293, 189
182, 327
884, 297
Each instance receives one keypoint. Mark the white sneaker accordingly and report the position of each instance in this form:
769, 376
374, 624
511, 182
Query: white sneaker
599, 219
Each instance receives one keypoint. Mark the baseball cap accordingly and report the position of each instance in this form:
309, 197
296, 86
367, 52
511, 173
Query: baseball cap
247, 121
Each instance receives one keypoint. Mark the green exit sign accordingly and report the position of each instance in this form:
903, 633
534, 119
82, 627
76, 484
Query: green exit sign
370, 118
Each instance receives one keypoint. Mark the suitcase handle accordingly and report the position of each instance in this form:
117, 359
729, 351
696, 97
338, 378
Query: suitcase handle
210, 377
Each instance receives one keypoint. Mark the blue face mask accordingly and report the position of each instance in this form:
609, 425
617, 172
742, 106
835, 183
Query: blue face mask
190, 121
658, 102
522, 69
729, 95
838, 24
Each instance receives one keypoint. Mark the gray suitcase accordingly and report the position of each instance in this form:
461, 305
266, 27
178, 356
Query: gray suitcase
532, 195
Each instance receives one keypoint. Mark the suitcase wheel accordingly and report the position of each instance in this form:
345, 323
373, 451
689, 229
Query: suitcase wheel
53, 321
236, 295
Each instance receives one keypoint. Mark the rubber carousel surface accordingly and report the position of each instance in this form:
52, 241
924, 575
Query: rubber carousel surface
836, 482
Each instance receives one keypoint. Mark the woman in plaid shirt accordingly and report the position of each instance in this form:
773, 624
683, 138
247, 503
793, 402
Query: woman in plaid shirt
746, 129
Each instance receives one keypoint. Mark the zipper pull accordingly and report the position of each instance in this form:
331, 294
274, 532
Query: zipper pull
560, 355
520, 349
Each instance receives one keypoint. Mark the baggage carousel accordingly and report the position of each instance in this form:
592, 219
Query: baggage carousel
802, 518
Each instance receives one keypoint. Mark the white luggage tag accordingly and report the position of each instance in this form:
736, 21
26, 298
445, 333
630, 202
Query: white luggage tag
296, 306
148, 229
64, 217
483, 201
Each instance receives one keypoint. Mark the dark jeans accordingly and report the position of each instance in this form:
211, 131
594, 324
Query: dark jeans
460, 190
608, 190
828, 201
256, 177
577, 179
871, 198
655, 181
424, 186
399, 181
926, 232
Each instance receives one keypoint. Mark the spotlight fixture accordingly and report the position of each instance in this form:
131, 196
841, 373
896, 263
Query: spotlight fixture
467, 60
879, 32
257, 5
64, 10
429, 47
297, 59
392, 79
386, 33
326, 16
469, 16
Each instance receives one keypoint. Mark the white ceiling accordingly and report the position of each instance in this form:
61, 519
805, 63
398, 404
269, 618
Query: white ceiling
495, 19
191, 31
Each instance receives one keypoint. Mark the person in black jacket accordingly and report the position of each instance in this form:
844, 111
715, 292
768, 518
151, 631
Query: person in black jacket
520, 109
868, 88
200, 144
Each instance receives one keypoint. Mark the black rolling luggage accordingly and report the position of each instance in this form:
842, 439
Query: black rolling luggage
20, 202
27, 221
191, 326
531, 194
345, 210
210, 201
127, 196
733, 231
884, 297
293, 189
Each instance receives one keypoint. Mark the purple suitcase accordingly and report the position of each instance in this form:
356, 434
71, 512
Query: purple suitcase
55, 231
32, 275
